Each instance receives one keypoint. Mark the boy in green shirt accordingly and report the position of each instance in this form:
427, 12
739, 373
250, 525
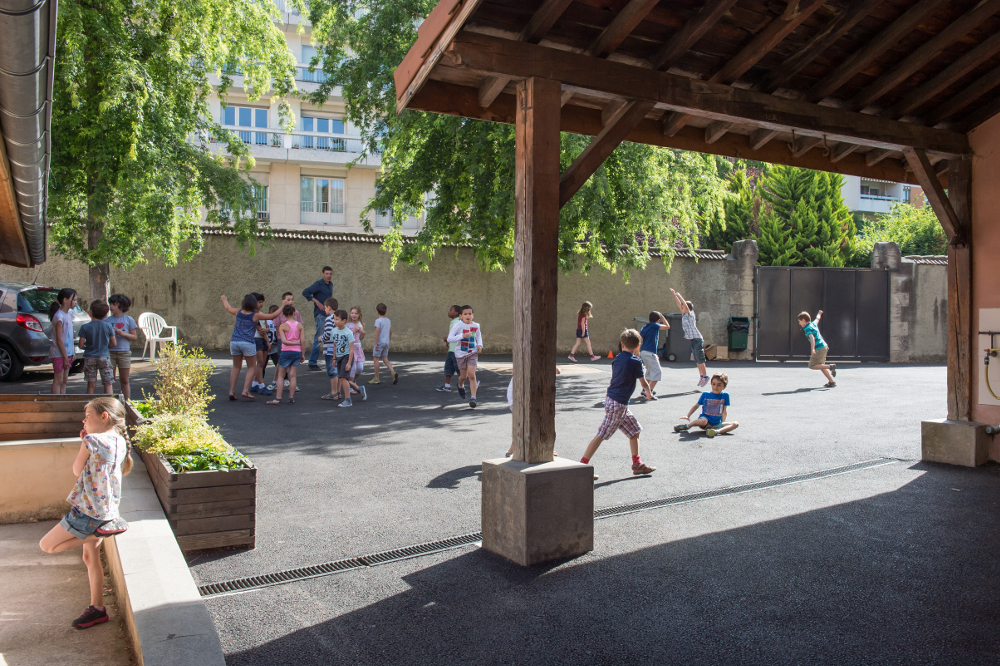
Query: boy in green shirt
817, 347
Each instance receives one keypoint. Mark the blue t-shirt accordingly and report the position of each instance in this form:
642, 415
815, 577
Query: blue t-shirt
812, 329
123, 323
97, 335
712, 403
341, 340
625, 370
650, 337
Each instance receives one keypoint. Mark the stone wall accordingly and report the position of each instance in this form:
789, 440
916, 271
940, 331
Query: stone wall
918, 315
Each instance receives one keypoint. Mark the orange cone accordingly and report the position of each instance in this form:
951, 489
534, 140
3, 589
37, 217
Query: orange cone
611, 355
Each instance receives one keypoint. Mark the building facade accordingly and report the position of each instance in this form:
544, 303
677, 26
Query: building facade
868, 196
311, 178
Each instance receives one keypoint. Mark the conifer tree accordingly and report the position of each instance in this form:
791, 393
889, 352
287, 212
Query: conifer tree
774, 243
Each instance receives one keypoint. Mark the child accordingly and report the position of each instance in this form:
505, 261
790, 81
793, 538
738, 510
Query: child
450, 364
121, 353
650, 343
817, 348
343, 343
625, 369
383, 326
274, 347
288, 299
468, 337
96, 339
290, 335
713, 410
102, 461
61, 348
356, 325
583, 330
691, 333
263, 347
330, 306
241, 345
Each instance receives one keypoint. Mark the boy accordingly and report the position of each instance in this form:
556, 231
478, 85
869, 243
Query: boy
468, 338
263, 347
96, 338
625, 369
817, 348
713, 410
691, 333
383, 327
121, 353
650, 343
287, 299
274, 350
330, 357
450, 364
342, 342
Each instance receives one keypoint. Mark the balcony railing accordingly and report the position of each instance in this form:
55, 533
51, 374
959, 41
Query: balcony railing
302, 73
879, 197
267, 138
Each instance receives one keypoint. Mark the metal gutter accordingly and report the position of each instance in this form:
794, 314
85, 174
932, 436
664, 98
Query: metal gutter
27, 56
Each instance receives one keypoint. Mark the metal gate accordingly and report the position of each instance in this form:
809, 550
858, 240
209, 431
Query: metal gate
855, 304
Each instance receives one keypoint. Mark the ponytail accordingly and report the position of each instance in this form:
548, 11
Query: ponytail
64, 293
116, 414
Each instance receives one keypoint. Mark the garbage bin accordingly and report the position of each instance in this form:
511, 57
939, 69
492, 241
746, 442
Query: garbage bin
739, 332
675, 347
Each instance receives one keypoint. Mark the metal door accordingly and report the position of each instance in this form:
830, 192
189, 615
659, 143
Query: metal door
855, 304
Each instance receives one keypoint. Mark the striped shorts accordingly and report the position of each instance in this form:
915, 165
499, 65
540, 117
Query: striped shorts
618, 417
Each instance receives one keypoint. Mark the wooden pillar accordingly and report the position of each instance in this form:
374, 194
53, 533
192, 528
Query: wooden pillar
961, 337
536, 268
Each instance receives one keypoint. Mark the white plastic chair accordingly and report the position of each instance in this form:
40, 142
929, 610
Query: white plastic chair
154, 328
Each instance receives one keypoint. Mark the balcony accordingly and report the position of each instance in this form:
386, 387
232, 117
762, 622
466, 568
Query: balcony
876, 203
311, 147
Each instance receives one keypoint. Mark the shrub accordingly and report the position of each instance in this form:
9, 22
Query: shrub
182, 382
188, 443
915, 230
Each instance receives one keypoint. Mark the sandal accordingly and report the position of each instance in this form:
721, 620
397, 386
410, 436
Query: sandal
291, 401
248, 396
273, 402
232, 396
329, 396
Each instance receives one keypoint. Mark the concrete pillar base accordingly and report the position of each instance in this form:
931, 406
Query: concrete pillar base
954, 442
537, 513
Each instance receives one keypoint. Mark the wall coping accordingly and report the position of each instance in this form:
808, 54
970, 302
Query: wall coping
40, 443
931, 259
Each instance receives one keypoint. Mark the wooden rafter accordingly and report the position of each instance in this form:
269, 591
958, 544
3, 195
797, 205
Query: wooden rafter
933, 190
842, 150
873, 157
692, 31
982, 113
760, 138
804, 144
970, 94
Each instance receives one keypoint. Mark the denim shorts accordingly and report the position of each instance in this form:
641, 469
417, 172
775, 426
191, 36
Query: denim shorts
289, 359
581, 333
260, 344
80, 524
241, 348
451, 364
698, 350
331, 366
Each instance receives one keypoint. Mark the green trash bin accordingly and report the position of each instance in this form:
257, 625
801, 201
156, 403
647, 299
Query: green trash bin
739, 332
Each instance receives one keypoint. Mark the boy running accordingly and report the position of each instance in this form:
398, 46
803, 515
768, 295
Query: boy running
714, 407
625, 370
650, 343
468, 337
450, 364
383, 332
689, 322
817, 347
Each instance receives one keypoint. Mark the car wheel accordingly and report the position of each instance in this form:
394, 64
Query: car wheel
10, 365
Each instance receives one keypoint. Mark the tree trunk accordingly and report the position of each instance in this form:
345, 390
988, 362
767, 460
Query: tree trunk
100, 274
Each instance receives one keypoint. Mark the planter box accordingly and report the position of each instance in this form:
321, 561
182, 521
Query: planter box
30, 416
205, 509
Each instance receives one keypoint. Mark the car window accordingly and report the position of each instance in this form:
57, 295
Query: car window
3, 305
38, 300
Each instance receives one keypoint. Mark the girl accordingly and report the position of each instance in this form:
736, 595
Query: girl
583, 330
241, 345
61, 348
100, 465
263, 346
290, 333
357, 325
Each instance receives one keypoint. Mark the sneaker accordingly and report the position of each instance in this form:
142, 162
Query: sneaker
572, 358
829, 384
364, 394
395, 378
346, 403
287, 383
297, 389
253, 389
472, 402
314, 367
263, 390
702, 381
711, 432
461, 392
680, 427
93, 615
444, 388
833, 369
374, 381
509, 454
642, 468
353, 392
272, 386
594, 357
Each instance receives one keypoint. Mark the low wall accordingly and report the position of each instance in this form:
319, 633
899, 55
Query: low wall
35, 478
918, 306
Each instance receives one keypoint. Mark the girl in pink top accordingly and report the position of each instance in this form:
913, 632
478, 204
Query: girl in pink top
290, 333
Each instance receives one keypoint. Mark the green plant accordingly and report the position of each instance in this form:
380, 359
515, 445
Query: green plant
179, 434
200, 461
145, 409
182, 382
915, 230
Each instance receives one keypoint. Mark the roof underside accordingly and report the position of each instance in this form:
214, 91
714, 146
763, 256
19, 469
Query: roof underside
838, 85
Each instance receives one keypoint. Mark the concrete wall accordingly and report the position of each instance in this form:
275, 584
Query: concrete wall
35, 478
918, 315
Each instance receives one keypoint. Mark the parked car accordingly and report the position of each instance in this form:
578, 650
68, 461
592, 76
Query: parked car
25, 328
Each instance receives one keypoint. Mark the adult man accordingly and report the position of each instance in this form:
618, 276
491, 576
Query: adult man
318, 292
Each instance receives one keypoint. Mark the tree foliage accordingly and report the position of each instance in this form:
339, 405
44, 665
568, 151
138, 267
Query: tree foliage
915, 230
642, 197
131, 86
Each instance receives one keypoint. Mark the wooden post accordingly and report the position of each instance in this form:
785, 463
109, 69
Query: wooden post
536, 266
961, 337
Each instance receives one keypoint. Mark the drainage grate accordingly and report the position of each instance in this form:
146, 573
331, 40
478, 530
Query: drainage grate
386, 556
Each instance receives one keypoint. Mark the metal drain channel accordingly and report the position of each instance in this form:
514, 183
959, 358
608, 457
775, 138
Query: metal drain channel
419, 550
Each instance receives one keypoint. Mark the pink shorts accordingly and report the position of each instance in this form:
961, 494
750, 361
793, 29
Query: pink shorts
57, 363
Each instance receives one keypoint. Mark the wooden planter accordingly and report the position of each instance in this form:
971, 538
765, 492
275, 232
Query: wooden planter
33, 416
205, 509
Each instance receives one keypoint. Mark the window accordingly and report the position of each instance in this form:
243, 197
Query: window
260, 194
384, 220
321, 126
864, 189
906, 195
244, 116
321, 201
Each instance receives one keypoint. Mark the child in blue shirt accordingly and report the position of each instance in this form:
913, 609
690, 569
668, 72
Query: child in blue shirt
97, 338
818, 348
625, 370
714, 406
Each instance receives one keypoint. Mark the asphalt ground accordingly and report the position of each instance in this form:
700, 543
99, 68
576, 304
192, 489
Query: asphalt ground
403, 468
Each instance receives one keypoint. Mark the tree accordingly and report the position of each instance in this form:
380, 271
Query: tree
130, 92
915, 230
742, 210
641, 198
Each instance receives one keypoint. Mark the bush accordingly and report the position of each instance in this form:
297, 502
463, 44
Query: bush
915, 230
188, 443
182, 382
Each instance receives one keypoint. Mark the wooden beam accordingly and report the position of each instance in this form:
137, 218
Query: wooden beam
540, 23
986, 50
693, 30
929, 50
717, 130
961, 334
452, 99
760, 138
486, 54
804, 144
842, 150
922, 169
621, 27
536, 269
872, 49
873, 157
964, 98
598, 150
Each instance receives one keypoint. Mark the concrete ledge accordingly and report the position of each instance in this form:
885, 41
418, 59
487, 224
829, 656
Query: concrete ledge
954, 442
166, 617
35, 477
537, 513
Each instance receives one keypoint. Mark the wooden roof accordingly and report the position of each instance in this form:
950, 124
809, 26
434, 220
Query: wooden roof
837, 85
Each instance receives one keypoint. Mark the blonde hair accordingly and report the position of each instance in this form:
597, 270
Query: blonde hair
115, 412
722, 377
585, 310
361, 319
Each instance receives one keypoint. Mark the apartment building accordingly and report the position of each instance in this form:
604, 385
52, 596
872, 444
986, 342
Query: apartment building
868, 196
308, 178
